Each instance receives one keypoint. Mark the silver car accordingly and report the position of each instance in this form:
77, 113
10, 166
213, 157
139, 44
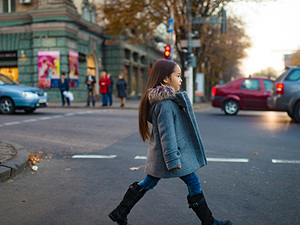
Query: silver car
285, 93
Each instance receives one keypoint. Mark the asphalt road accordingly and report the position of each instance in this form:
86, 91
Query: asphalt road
247, 179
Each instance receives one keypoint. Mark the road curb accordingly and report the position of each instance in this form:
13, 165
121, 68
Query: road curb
16, 165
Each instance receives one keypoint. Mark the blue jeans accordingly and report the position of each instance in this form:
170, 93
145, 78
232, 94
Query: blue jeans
191, 180
104, 99
110, 98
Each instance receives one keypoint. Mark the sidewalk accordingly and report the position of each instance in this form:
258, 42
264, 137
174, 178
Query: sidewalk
130, 104
14, 158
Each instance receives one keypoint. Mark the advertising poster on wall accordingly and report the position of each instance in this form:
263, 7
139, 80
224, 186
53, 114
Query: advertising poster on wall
199, 85
73, 69
48, 68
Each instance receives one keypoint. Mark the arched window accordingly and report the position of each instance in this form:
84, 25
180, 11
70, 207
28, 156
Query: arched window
86, 10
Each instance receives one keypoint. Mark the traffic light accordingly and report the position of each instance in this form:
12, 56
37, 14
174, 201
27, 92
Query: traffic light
167, 51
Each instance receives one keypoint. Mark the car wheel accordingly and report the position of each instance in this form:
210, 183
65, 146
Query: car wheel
7, 106
31, 110
231, 107
296, 114
290, 114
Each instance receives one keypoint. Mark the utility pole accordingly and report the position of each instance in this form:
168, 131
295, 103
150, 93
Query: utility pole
188, 74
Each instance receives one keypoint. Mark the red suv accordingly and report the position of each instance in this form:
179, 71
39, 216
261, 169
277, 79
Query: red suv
242, 94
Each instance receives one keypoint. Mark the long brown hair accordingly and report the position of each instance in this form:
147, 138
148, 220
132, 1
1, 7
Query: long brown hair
160, 70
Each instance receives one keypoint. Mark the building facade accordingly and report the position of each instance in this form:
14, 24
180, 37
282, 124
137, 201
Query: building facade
40, 39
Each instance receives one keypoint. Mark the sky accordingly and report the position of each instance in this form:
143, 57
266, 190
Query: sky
273, 27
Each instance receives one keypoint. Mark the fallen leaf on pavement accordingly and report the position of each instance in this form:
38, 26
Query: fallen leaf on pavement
136, 168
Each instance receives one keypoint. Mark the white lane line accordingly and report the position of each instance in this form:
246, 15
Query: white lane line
69, 114
140, 157
227, 160
211, 159
285, 161
29, 120
45, 118
58, 116
11, 123
94, 156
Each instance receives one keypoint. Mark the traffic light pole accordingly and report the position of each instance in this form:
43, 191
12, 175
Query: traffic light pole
189, 70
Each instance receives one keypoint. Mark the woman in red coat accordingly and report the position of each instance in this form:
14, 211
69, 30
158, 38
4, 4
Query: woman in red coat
104, 82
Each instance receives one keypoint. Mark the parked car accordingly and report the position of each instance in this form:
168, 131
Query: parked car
242, 94
285, 94
14, 96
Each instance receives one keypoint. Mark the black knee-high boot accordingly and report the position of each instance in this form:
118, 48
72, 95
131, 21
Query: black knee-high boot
134, 193
199, 206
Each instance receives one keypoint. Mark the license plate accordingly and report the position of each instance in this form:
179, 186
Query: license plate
43, 100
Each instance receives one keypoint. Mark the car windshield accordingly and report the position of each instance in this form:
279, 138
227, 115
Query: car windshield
5, 80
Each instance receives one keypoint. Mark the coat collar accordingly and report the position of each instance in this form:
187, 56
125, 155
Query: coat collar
160, 93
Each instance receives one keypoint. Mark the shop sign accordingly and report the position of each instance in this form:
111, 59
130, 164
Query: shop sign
8, 55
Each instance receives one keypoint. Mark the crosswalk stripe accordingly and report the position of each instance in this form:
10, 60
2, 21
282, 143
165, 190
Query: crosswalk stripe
285, 161
94, 156
227, 160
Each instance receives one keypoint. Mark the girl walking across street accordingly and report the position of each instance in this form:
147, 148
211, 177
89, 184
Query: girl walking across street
175, 148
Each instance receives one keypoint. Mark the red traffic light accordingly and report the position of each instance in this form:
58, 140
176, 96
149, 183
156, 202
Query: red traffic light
167, 51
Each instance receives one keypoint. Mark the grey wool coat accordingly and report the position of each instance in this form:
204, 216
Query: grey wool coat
175, 139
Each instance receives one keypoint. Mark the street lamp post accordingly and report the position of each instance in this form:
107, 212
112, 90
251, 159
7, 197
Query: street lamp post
189, 70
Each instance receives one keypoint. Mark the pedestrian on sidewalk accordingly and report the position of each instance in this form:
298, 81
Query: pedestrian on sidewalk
110, 89
104, 82
122, 89
63, 85
90, 81
175, 148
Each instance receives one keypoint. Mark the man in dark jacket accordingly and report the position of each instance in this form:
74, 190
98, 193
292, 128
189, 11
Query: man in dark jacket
63, 85
90, 81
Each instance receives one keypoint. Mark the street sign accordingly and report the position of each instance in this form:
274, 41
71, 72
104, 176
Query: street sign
170, 25
194, 43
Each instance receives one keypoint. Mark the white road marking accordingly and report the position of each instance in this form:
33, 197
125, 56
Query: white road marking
211, 159
140, 157
228, 160
285, 161
11, 123
45, 118
94, 156
231, 160
30, 120
49, 117
69, 114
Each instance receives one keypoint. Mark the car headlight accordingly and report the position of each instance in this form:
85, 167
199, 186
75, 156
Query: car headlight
27, 94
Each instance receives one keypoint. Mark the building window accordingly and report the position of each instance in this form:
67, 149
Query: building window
86, 10
93, 14
8, 6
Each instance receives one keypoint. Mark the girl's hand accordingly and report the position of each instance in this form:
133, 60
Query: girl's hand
176, 168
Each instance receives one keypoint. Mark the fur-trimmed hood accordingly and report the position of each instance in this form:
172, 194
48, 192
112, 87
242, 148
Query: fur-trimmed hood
160, 93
